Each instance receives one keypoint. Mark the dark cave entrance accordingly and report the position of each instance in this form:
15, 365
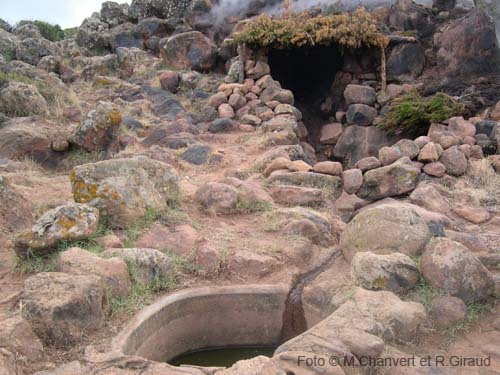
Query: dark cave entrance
309, 73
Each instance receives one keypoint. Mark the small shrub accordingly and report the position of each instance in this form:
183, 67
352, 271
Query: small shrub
51, 32
71, 32
412, 114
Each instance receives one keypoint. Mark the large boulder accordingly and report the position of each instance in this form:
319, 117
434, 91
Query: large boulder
393, 272
8, 44
406, 15
358, 142
17, 336
125, 35
360, 326
31, 50
113, 272
406, 62
450, 266
385, 229
140, 9
22, 99
114, 14
468, 47
71, 222
125, 189
31, 137
62, 307
93, 34
393, 180
190, 50
359, 94
98, 129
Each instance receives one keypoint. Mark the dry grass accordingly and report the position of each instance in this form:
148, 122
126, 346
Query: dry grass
483, 183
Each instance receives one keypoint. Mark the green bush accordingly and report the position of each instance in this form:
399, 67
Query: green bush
412, 114
71, 32
48, 31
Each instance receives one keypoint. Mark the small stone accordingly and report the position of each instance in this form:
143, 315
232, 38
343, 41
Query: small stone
454, 161
170, 81
209, 258
422, 141
332, 168
217, 100
361, 114
251, 120
353, 180
435, 169
393, 272
221, 125
429, 153
407, 148
469, 140
226, 111
247, 263
237, 101
368, 163
446, 311
388, 155
297, 196
330, 133
476, 215
358, 94
462, 128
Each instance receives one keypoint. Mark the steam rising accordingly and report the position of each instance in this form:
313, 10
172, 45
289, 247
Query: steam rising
227, 8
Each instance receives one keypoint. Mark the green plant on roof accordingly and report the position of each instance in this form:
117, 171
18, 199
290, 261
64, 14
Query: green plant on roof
348, 30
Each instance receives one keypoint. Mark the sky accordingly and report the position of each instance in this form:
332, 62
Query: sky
66, 13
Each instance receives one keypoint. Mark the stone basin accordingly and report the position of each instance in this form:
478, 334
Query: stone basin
202, 318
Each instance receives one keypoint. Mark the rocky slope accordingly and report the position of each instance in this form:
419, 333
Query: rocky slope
151, 154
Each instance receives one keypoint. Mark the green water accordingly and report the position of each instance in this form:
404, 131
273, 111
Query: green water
222, 357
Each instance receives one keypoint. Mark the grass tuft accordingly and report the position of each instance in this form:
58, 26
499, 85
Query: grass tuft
412, 114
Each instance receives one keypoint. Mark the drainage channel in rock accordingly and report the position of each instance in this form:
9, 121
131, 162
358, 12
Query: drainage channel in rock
294, 321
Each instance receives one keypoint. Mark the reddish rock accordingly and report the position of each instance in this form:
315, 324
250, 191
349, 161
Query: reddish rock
476, 215
226, 111
109, 240
353, 179
170, 80
333, 168
454, 161
114, 271
422, 141
180, 240
448, 265
462, 128
446, 311
217, 99
330, 133
209, 258
435, 169
189, 50
469, 140
388, 155
63, 307
247, 263
297, 196
368, 163
476, 152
